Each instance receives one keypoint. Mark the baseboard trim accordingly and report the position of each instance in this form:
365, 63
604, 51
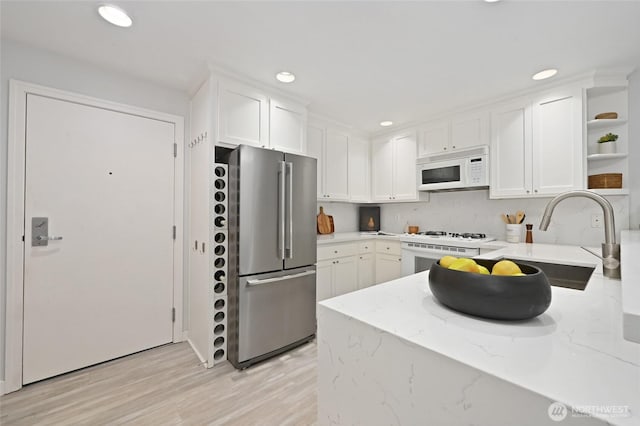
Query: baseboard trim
203, 361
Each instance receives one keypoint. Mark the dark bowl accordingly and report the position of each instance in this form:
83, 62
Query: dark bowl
492, 296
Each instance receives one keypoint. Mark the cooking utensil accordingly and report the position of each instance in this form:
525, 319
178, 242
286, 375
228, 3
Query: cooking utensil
519, 216
324, 223
333, 228
504, 217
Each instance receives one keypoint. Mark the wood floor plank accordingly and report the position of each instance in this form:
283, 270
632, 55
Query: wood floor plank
168, 386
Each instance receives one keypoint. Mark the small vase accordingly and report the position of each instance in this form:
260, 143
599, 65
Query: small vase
607, 148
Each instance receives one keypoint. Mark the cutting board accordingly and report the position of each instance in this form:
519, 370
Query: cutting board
325, 223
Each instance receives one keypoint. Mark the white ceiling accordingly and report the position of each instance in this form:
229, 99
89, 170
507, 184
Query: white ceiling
359, 62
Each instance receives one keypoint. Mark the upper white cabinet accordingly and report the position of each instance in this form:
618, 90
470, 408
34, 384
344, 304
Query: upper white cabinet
246, 115
359, 177
511, 150
558, 160
460, 132
394, 168
536, 145
287, 126
331, 148
243, 115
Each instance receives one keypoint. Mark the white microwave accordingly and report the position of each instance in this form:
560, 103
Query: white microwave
463, 169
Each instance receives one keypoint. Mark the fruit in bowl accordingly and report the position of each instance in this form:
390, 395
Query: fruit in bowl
503, 267
512, 291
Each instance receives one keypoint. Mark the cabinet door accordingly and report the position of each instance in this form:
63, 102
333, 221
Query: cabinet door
558, 161
382, 169
324, 277
336, 164
366, 270
243, 115
405, 180
287, 127
434, 139
315, 149
388, 267
511, 150
345, 275
359, 170
469, 131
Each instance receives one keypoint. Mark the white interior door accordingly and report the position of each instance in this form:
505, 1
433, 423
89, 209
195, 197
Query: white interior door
104, 179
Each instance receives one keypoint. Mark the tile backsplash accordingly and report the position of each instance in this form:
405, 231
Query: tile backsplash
473, 211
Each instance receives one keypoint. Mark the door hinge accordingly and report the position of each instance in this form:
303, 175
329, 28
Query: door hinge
174, 232
173, 314
175, 150
23, 238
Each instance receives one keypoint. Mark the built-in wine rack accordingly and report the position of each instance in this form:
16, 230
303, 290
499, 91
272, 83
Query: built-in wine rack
219, 263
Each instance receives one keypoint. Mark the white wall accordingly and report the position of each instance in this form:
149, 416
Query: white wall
21, 62
473, 211
345, 215
634, 149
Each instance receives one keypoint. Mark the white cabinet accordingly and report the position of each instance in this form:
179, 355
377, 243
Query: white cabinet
243, 115
359, 178
336, 165
366, 270
394, 168
287, 127
460, 132
511, 150
336, 270
345, 275
324, 279
558, 160
249, 116
536, 145
331, 148
388, 262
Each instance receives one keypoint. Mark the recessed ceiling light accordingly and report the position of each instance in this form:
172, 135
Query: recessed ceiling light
285, 77
545, 74
386, 123
492, 1
114, 15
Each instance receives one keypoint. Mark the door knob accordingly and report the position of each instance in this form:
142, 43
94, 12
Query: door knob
46, 238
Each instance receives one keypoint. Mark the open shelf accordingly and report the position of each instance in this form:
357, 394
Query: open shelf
604, 123
610, 191
598, 157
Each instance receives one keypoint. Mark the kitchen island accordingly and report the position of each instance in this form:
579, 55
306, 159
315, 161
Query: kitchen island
391, 354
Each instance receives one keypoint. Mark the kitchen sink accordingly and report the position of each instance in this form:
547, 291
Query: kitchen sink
568, 276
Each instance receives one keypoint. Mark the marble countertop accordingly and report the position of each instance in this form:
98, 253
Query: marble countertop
345, 237
631, 284
573, 353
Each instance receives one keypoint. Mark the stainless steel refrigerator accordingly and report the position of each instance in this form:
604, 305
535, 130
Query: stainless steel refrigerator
272, 253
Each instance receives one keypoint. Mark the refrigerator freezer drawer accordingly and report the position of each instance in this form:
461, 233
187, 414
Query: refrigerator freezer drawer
275, 310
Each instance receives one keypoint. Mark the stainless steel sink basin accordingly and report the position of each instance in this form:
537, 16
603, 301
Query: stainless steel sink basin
568, 276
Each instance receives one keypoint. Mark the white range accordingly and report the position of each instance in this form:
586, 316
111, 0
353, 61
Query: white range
420, 250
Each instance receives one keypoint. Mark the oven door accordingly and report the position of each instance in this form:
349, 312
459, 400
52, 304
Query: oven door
418, 257
442, 175
416, 260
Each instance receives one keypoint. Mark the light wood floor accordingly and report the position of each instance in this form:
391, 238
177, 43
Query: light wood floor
167, 385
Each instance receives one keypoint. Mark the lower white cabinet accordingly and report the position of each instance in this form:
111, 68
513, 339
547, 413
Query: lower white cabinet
366, 270
388, 260
346, 267
388, 267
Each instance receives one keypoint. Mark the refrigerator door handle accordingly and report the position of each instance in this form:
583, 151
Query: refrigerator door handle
289, 230
275, 279
281, 206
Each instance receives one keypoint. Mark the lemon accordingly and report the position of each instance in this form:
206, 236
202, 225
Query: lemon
464, 264
519, 275
505, 267
446, 261
483, 270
